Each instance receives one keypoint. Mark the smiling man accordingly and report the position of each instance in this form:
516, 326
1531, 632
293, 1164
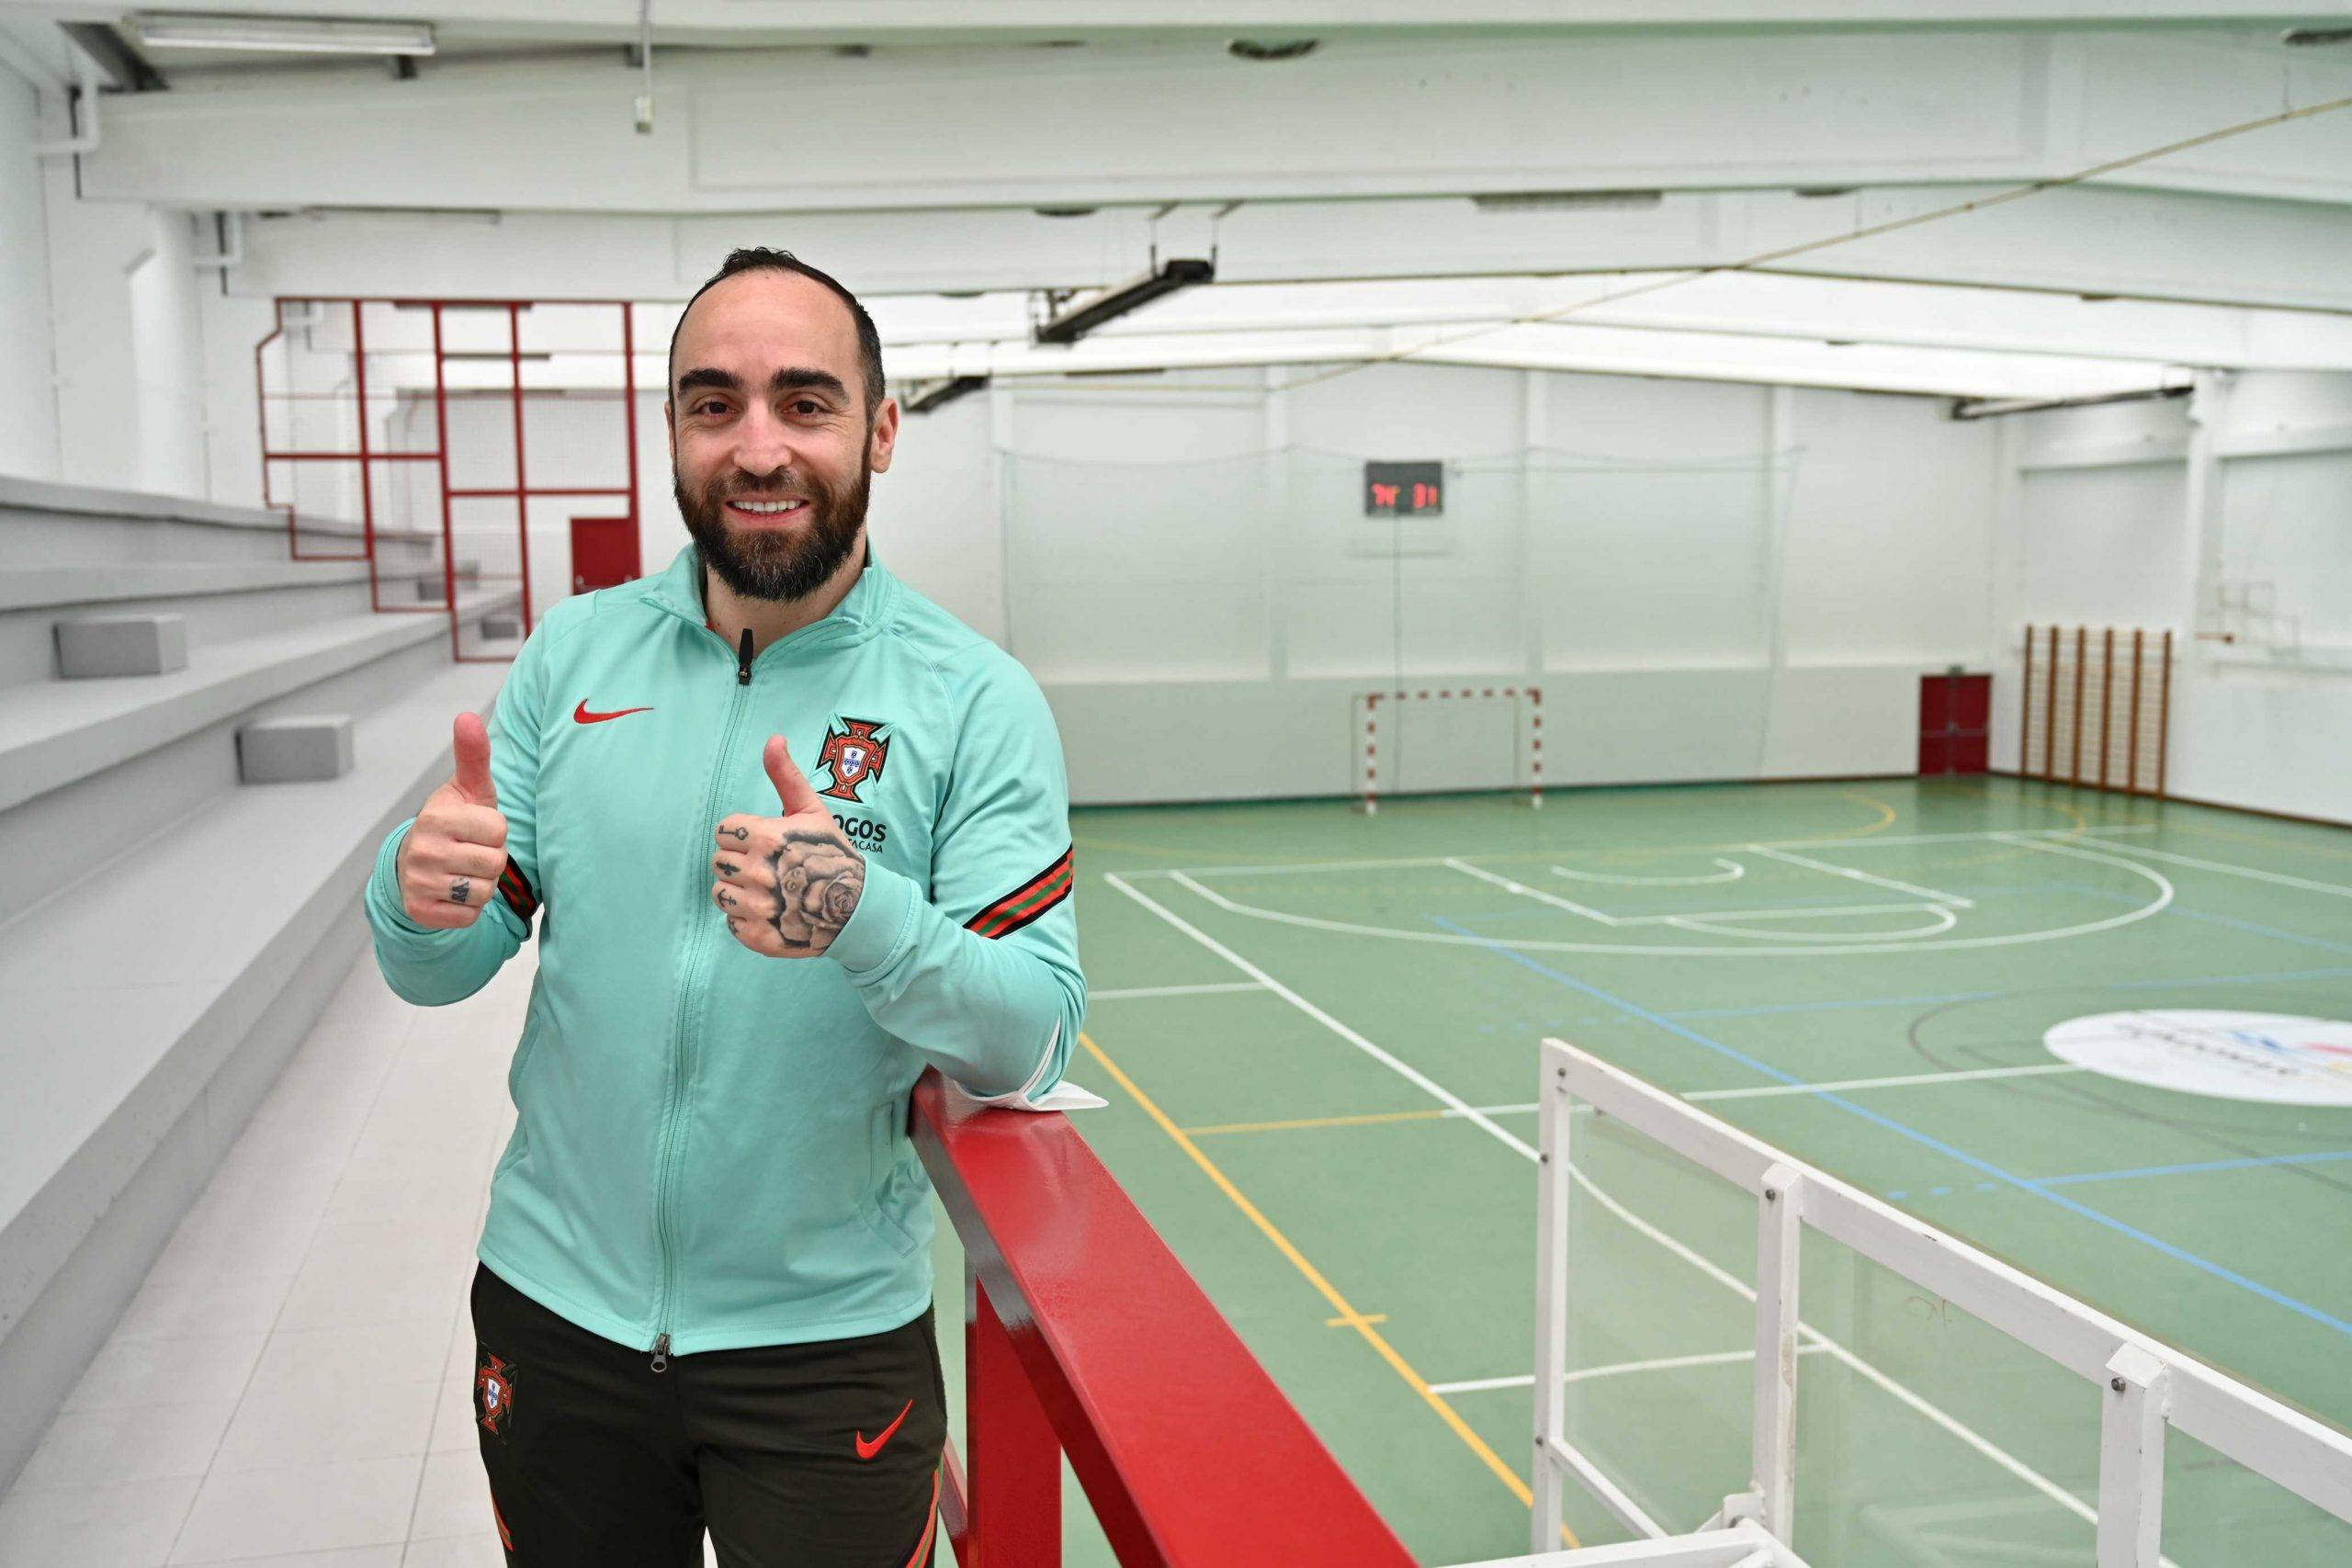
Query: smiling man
702, 1296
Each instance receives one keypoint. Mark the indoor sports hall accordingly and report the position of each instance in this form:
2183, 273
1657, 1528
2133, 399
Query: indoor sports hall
1700, 661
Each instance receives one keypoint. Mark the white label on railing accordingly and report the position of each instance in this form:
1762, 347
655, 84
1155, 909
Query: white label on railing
2269, 1057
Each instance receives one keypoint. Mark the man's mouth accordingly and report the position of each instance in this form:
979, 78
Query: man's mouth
788, 506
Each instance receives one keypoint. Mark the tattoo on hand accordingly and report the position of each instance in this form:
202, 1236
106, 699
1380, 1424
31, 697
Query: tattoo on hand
726, 896
818, 879
727, 868
742, 835
460, 890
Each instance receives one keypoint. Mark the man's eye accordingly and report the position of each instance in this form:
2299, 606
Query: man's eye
710, 405
807, 405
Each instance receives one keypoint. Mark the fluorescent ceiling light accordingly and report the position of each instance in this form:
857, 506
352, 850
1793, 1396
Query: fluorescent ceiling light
1083, 315
282, 34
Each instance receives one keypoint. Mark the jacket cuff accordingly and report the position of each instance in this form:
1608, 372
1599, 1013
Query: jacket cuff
876, 929
384, 884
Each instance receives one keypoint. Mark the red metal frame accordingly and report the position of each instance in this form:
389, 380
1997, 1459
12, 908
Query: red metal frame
1087, 1338
522, 491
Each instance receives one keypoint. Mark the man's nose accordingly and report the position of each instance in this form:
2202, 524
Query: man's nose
766, 445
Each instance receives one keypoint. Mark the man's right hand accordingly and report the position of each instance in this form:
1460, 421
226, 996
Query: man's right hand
450, 862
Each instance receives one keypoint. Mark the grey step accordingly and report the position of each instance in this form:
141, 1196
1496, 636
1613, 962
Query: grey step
138, 1050
186, 755
54, 733
43, 523
221, 601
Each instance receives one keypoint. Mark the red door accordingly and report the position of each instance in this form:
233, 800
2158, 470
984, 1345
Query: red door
1955, 718
604, 552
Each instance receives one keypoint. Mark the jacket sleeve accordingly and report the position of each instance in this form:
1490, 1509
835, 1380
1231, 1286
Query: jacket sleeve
432, 967
981, 974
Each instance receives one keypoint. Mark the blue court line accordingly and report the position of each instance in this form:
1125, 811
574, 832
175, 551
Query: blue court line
1987, 996
2249, 1162
1984, 1166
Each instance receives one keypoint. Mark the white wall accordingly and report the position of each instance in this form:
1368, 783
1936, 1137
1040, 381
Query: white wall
2139, 514
28, 404
1706, 581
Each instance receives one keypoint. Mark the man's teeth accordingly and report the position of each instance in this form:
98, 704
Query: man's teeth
764, 508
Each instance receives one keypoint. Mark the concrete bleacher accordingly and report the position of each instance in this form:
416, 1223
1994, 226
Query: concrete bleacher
167, 932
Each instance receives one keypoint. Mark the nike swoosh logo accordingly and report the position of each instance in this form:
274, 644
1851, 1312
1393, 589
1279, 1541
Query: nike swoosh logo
866, 1449
582, 716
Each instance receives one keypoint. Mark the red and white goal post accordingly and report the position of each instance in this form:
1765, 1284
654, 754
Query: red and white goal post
1526, 699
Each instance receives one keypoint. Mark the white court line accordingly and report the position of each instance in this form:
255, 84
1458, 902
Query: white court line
1954, 899
1173, 990
1835, 1086
1966, 1434
1731, 872
1810, 912
1260, 868
2157, 906
2280, 877
1616, 1369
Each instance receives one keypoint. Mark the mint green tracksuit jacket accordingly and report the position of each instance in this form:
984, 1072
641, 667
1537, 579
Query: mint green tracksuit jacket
710, 1148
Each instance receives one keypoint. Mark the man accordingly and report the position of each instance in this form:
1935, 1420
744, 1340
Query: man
704, 1291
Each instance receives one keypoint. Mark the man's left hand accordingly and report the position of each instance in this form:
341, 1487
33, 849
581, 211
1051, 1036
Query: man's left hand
786, 883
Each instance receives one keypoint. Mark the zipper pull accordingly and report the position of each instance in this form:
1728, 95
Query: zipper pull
743, 660
661, 1342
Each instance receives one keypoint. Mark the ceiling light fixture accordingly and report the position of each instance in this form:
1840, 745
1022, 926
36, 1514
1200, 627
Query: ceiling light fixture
925, 396
289, 35
1551, 200
1088, 311
1269, 49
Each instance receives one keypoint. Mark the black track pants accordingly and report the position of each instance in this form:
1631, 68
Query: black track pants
825, 1453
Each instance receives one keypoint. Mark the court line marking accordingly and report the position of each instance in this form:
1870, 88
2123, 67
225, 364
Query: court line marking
2193, 1166
1982, 1167
2335, 888
1696, 919
1262, 868
1731, 872
1931, 894
1918, 1403
1761, 1011
2165, 893
1129, 992
1619, 1369
1752, 1091
1348, 1315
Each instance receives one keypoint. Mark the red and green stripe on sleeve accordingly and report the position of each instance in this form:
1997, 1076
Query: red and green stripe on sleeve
1028, 901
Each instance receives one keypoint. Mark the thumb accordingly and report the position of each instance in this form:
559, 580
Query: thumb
791, 787
470, 741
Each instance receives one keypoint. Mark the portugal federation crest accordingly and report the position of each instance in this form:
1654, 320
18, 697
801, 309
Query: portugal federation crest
855, 754
493, 1392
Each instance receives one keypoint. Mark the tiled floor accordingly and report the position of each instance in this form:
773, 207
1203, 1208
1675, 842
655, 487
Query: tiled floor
290, 1387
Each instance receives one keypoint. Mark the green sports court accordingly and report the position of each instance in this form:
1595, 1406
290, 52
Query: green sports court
1318, 1033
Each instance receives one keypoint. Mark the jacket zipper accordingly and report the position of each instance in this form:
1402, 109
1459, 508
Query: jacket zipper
678, 1040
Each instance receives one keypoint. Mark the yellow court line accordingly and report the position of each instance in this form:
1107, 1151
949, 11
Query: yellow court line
1369, 1119
1339, 1304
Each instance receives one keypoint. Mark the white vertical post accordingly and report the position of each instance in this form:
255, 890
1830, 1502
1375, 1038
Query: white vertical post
1550, 1302
1779, 1216
2132, 1459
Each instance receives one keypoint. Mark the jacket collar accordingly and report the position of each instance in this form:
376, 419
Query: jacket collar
863, 612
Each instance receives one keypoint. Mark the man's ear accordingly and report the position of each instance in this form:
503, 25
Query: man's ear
670, 428
885, 438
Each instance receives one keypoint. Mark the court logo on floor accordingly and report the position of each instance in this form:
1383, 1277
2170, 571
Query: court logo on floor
2278, 1057
494, 1392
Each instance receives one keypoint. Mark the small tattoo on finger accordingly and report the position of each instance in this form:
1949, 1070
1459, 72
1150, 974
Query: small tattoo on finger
741, 835
461, 891
727, 868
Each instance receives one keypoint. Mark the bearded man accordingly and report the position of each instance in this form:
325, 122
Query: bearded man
702, 1290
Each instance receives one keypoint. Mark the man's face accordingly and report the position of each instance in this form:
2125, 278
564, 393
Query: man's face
770, 452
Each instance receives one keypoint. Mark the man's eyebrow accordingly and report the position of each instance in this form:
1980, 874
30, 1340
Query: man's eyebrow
722, 380
802, 379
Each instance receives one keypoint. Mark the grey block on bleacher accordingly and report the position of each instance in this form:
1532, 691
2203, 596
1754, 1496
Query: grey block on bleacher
303, 749
90, 647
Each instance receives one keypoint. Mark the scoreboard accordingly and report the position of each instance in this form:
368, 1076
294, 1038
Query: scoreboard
1404, 490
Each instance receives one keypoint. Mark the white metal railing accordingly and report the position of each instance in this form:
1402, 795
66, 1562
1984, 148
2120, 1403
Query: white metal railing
2148, 1386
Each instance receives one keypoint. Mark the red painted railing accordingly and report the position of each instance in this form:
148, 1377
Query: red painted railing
1085, 1336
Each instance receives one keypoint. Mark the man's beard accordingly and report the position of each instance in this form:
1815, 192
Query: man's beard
775, 564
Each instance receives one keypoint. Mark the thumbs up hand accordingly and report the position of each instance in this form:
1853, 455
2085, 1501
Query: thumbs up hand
450, 862
786, 883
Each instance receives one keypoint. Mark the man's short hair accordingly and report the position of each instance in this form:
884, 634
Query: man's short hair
758, 258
